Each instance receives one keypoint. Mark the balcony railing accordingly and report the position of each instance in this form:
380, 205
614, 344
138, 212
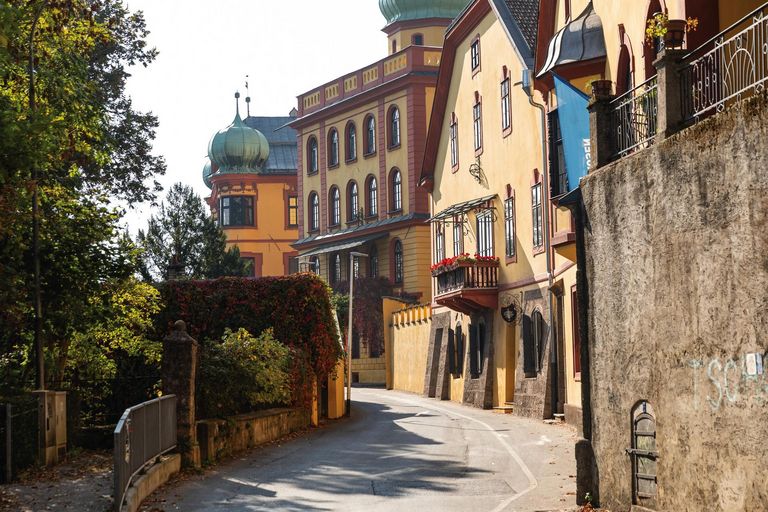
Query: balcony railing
633, 118
467, 275
728, 67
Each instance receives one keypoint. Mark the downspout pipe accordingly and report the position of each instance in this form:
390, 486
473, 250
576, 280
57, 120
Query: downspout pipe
528, 88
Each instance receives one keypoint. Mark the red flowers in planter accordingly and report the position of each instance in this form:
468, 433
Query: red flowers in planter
446, 263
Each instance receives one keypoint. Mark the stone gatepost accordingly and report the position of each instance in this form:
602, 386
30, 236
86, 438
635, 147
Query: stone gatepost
601, 132
179, 369
670, 110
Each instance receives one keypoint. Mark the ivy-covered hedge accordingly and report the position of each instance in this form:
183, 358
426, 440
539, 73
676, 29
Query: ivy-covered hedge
297, 308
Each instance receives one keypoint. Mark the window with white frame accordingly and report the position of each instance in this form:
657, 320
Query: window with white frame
506, 117
477, 122
354, 202
458, 236
509, 227
314, 212
373, 197
454, 136
333, 148
394, 127
312, 156
335, 207
439, 242
485, 233
370, 135
536, 215
397, 191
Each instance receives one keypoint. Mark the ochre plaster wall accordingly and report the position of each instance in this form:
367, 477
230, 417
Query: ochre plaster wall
676, 263
410, 341
433, 36
269, 241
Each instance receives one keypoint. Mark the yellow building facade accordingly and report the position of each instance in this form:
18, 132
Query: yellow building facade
360, 145
254, 196
502, 274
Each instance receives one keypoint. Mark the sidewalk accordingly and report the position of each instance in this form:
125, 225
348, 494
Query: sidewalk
82, 484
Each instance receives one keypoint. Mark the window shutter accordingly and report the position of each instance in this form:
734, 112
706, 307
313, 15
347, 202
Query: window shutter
529, 353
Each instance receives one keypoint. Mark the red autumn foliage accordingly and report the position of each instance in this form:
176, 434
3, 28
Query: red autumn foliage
296, 307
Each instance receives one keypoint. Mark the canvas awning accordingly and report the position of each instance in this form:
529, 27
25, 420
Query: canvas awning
461, 208
343, 245
578, 41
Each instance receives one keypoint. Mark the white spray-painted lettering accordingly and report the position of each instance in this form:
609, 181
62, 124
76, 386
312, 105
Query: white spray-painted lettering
731, 380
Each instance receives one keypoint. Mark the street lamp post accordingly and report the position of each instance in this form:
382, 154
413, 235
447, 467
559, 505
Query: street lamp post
352, 255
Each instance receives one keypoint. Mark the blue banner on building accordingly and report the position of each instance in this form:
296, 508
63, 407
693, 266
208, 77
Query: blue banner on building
574, 129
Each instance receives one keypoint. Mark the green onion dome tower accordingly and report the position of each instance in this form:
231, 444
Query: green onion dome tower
207, 171
238, 149
408, 10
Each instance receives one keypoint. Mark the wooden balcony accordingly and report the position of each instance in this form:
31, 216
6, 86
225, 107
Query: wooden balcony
468, 286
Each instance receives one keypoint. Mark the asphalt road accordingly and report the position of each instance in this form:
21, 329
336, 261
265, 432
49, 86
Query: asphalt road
398, 452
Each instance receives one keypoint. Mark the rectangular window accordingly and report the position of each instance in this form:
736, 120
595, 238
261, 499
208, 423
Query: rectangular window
458, 236
293, 211
454, 133
477, 121
506, 119
474, 52
236, 211
509, 227
558, 176
536, 215
485, 233
439, 242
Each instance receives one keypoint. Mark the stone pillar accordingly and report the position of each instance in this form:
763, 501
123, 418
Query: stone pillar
602, 145
670, 108
179, 371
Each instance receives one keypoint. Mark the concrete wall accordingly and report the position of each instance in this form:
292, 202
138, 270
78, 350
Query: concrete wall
676, 263
220, 438
410, 342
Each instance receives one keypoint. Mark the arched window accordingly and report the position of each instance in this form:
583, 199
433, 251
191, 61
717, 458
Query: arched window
373, 262
354, 202
398, 262
373, 197
351, 141
370, 135
394, 127
314, 264
644, 454
314, 212
334, 210
333, 148
397, 191
624, 71
312, 155
651, 50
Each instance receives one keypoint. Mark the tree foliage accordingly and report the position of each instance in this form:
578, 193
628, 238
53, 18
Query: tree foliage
89, 146
242, 373
183, 230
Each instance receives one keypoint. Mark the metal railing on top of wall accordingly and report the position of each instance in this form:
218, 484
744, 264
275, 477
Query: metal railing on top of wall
633, 118
144, 432
728, 67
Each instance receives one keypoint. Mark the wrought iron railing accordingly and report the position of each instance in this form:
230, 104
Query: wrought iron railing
144, 432
462, 275
633, 118
728, 67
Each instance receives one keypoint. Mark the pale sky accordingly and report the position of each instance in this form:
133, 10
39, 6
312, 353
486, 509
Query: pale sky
208, 47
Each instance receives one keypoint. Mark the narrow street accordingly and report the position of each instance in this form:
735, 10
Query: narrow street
398, 452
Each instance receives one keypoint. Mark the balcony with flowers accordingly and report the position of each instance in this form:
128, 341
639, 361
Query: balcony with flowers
467, 283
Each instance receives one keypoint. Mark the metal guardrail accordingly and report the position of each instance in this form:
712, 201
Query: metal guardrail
728, 67
144, 432
633, 118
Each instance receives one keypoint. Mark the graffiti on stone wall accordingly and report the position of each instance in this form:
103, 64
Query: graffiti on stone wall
719, 382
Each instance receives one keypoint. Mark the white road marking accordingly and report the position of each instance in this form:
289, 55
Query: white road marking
532, 482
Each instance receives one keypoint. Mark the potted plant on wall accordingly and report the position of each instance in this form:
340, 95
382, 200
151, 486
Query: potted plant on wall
672, 32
